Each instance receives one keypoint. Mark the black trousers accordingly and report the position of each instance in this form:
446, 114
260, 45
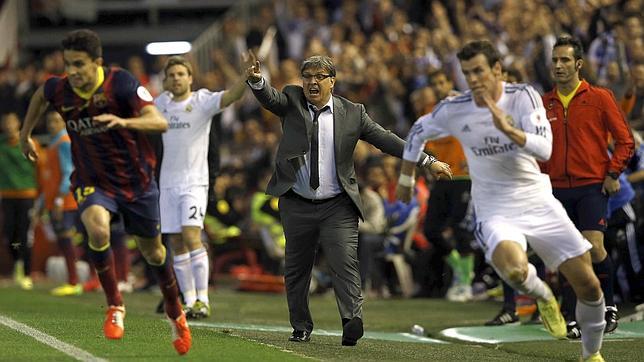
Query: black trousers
447, 207
333, 226
15, 213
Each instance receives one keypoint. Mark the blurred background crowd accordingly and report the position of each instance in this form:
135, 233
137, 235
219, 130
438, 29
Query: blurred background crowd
398, 58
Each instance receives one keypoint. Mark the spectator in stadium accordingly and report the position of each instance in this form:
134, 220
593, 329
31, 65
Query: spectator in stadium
606, 51
442, 85
184, 176
633, 102
635, 177
447, 207
315, 180
264, 212
107, 114
57, 199
582, 173
503, 130
18, 190
620, 239
371, 229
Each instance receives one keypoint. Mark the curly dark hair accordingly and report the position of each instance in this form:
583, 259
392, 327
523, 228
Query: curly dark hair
476, 47
83, 40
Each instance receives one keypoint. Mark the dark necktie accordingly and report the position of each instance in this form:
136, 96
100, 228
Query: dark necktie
314, 180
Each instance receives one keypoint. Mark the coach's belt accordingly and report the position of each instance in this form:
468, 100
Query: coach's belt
295, 195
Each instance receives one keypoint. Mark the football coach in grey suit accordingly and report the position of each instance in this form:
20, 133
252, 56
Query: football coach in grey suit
315, 181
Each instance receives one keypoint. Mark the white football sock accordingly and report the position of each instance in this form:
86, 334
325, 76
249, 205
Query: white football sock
590, 316
532, 285
183, 272
200, 270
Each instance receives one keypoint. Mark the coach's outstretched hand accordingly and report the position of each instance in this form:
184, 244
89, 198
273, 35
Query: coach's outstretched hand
439, 170
253, 71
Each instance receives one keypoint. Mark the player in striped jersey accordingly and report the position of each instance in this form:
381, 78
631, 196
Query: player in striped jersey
504, 130
107, 113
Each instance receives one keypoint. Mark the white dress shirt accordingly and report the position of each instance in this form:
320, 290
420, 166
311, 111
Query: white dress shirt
329, 184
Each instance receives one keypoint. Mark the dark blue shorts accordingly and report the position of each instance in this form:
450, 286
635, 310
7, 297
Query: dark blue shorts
69, 221
140, 217
586, 206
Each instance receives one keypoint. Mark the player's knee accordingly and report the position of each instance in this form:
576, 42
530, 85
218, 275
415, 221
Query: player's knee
154, 256
516, 274
99, 235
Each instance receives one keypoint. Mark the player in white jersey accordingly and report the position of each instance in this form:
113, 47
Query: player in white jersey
503, 129
184, 176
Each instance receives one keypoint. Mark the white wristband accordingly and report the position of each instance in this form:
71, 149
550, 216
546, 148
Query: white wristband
405, 180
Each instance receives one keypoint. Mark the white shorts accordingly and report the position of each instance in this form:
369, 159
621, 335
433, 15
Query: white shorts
546, 227
182, 206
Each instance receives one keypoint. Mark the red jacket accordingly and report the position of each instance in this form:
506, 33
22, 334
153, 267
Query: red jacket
580, 138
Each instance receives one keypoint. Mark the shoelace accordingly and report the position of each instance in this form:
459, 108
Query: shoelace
117, 318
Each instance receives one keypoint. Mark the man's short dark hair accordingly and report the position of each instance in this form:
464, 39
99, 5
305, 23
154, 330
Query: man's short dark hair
319, 61
476, 47
514, 73
83, 40
567, 40
177, 60
436, 73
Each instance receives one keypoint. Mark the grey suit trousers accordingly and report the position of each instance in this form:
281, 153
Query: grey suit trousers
332, 224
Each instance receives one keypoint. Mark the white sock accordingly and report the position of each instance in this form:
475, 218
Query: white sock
183, 272
200, 270
590, 316
532, 285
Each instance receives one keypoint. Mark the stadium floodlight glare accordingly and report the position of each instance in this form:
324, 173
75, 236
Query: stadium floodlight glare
168, 47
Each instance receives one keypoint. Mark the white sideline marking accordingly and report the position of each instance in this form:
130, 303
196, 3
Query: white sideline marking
51, 341
385, 336
454, 333
271, 346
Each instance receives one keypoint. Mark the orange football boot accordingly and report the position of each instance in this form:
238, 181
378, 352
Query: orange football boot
181, 338
113, 326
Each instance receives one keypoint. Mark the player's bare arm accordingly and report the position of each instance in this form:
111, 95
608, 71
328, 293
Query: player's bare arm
236, 91
150, 120
405, 187
504, 122
37, 107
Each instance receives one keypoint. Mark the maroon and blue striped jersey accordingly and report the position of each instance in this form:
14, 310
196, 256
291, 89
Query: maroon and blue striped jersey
119, 161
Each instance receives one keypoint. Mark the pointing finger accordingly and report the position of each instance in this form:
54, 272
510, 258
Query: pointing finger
252, 55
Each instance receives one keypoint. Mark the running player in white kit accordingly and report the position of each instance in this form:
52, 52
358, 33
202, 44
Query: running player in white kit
184, 176
504, 130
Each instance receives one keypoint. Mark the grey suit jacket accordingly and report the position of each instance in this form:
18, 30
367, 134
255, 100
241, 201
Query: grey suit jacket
350, 123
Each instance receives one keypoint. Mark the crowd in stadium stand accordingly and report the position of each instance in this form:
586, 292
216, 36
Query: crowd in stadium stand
384, 51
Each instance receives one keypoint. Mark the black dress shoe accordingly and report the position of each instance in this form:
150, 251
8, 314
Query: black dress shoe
300, 336
352, 331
